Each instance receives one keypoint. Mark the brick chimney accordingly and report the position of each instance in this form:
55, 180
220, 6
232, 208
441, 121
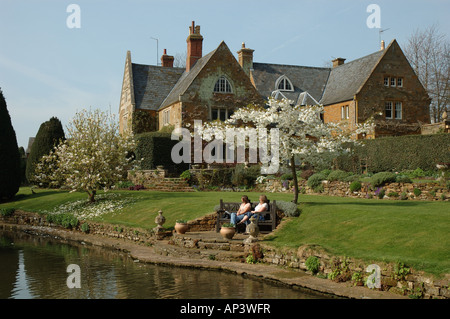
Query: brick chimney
338, 61
245, 56
167, 60
194, 46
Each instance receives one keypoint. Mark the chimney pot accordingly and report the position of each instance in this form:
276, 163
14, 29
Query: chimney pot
338, 61
382, 45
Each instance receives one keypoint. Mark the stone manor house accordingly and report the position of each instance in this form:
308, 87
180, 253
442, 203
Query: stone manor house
211, 86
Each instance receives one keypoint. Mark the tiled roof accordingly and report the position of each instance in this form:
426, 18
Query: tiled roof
186, 80
303, 78
152, 84
346, 80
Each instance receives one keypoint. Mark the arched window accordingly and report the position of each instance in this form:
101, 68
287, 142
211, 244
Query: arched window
222, 85
284, 84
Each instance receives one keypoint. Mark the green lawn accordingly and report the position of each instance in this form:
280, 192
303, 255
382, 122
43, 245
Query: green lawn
414, 232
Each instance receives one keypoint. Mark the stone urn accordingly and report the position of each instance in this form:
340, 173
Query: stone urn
253, 230
159, 220
227, 231
181, 227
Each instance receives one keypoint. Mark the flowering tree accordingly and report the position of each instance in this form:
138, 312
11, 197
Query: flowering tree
301, 133
94, 156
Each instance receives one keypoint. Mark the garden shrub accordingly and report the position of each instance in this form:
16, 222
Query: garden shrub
417, 192
316, 180
287, 176
380, 192
242, 176
337, 175
289, 209
65, 220
403, 196
313, 264
326, 172
382, 178
393, 194
6, 212
186, 175
355, 186
403, 179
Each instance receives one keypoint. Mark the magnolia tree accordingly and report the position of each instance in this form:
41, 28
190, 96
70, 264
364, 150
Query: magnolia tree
300, 134
94, 156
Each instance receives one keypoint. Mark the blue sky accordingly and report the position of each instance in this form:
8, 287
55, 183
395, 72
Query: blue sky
48, 69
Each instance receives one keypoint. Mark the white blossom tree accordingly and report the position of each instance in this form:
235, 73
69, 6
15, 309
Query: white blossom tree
94, 156
301, 133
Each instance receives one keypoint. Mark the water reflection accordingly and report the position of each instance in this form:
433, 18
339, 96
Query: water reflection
35, 267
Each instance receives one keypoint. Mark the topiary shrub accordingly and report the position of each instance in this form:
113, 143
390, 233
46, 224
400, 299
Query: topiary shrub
379, 179
355, 186
49, 135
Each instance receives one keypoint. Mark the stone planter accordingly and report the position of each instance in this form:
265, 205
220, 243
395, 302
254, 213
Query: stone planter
181, 228
227, 232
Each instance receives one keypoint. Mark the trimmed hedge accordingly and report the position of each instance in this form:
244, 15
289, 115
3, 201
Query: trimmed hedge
155, 148
399, 153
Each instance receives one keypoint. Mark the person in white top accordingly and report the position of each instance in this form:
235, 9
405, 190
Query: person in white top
261, 207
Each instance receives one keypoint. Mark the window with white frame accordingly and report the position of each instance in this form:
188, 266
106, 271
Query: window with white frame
400, 82
222, 86
345, 112
398, 110
284, 84
393, 81
388, 110
166, 117
386, 81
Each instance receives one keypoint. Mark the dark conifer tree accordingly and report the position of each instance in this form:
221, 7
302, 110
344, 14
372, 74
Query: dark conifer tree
49, 135
9, 154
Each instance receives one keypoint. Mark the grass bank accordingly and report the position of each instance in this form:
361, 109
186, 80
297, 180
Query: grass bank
414, 232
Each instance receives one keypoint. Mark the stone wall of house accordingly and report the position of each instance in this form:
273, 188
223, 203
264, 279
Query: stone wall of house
429, 191
373, 95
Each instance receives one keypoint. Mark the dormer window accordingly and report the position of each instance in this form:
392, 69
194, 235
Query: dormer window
284, 84
222, 86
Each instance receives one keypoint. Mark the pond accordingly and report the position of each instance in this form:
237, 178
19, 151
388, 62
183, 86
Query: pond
36, 267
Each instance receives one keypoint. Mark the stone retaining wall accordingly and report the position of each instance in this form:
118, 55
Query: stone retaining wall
429, 191
415, 283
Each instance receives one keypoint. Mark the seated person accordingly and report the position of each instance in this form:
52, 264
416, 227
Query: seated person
261, 207
245, 207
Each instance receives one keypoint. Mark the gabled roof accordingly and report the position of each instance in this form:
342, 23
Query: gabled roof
303, 78
347, 79
152, 84
187, 78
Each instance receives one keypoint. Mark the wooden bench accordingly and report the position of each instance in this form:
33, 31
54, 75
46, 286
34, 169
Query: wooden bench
265, 226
